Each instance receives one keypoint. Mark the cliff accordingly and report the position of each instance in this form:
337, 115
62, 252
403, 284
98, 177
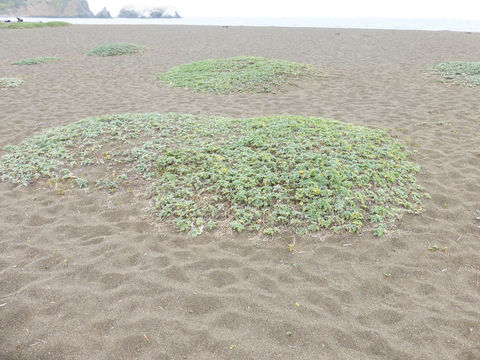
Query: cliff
45, 8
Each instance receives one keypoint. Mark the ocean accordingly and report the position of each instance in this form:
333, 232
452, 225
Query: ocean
355, 23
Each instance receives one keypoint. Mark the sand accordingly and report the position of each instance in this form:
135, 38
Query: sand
84, 275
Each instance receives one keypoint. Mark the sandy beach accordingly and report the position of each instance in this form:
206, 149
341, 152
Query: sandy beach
83, 274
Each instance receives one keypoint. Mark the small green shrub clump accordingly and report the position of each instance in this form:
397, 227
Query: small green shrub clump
6, 83
31, 25
267, 174
36, 60
116, 49
238, 74
459, 72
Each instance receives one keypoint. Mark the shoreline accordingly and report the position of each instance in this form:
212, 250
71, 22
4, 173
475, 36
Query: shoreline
423, 24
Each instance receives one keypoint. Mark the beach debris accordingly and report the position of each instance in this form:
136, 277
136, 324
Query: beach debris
289, 333
435, 248
233, 346
291, 246
39, 341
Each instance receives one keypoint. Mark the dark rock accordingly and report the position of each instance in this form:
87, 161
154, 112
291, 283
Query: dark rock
104, 14
131, 11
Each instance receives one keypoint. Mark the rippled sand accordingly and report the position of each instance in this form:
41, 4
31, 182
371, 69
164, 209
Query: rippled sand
84, 276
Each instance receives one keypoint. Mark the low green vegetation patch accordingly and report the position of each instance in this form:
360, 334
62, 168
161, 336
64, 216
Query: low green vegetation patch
459, 72
115, 49
31, 25
36, 60
237, 74
6, 83
268, 174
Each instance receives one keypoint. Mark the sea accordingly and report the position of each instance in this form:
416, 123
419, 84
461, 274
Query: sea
352, 23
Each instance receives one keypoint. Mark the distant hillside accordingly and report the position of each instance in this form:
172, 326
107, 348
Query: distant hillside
45, 8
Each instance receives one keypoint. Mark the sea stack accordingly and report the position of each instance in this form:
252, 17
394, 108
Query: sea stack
104, 14
136, 12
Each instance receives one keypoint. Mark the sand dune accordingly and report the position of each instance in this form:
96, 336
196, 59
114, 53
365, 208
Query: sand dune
83, 275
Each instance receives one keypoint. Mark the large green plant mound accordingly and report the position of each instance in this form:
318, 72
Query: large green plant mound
6, 83
263, 174
116, 49
36, 60
238, 74
31, 25
459, 72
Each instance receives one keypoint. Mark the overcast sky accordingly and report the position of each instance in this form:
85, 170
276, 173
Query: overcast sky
461, 9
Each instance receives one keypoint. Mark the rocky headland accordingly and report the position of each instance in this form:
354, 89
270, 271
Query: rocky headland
43, 8
79, 8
